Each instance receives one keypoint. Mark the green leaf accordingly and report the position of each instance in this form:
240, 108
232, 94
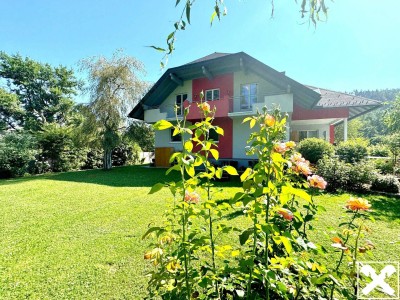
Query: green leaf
157, 48
252, 123
245, 174
156, 188
219, 130
214, 14
173, 168
188, 11
218, 173
247, 119
176, 131
230, 170
244, 236
190, 170
150, 230
177, 2
288, 245
214, 153
162, 125
188, 146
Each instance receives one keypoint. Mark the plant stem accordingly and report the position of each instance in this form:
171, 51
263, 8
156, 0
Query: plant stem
342, 255
253, 254
185, 254
267, 247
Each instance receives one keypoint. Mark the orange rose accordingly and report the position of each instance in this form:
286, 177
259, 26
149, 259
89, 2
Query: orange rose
285, 213
357, 204
269, 121
317, 182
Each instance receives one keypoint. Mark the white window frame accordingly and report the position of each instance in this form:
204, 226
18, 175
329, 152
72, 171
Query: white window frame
308, 134
182, 99
213, 98
250, 104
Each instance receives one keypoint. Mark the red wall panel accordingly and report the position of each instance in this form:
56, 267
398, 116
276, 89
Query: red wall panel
300, 113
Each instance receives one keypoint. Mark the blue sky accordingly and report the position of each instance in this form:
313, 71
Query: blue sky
357, 48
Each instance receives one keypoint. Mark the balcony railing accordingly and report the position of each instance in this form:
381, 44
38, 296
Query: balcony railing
249, 105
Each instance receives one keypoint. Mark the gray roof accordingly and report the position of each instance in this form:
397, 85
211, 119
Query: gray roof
222, 63
357, 105
209, 57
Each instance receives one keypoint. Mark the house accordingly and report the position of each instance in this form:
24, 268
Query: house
237, 85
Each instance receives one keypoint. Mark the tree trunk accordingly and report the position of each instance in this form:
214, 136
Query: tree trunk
107, 162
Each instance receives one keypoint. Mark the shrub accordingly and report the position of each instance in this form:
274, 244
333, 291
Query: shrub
94, 159
59, 150
126, 153
344, 176
385, 183
313, 149
381, 150
352, 151
384, 166
17, 150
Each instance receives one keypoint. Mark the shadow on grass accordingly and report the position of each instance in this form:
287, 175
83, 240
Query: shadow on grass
128, 176
385, 206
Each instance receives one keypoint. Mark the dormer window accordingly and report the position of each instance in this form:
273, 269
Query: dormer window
179, 103
212, 95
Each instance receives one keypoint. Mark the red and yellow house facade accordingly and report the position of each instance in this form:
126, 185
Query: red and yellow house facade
238, 85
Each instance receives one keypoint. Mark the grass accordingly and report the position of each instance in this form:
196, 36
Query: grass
77, 235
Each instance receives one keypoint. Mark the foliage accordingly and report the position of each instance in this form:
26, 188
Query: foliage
372, 125
380, 149
16, 151
393, 142
353, 130
392, 116
11, 113
384, 166
114, 86
273, 257
44, 92
385, 183
126, 154
143, 134
58, 148
344, 176
94, 159
101, 213
310, 9
313, 149
352, 151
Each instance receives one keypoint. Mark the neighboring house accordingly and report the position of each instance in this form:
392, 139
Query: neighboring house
237, 85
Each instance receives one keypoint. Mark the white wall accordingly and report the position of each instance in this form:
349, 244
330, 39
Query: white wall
169, 104
320, 127
241, 133
163, 139
264, 87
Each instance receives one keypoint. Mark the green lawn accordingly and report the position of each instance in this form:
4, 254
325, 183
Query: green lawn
77, 235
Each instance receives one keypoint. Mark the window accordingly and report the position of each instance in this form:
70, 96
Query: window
179, 103
213, 135
212, 95
304, 134
248, 95
175, 138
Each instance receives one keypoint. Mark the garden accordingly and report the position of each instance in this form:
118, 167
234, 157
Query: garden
271, 232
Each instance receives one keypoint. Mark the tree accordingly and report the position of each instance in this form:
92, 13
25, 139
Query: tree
44, 92
114, 87
392, 116
11, 112
310, 9
143, 134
